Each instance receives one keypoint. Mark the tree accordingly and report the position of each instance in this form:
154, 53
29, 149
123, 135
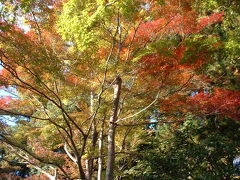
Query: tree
224, 70
198, 149
65, 67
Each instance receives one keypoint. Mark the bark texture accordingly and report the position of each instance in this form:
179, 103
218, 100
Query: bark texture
112, 129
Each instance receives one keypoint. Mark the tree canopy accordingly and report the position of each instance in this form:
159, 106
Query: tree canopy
110, 89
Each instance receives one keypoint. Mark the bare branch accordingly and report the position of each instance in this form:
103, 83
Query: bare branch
149, 123
142, 110
69, 154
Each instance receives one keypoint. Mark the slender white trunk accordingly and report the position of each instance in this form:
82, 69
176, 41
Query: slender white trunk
88, 169
100, 152
112, 129
51, 177
91, 102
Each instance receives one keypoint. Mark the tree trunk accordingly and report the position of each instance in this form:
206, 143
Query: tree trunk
81, 171
112, 128
100, 152
88, 169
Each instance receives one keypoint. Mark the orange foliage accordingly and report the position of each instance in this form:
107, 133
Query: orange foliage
15, 105
184, 23
168, 65
47, 153
214, 18
222, 102
5, 76
72, 79
174, 103
168, 70
4, 101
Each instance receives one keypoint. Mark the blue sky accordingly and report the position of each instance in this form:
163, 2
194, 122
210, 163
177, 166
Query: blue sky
4, 92
8, 119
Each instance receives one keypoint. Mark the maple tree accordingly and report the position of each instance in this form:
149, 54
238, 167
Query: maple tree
75, 54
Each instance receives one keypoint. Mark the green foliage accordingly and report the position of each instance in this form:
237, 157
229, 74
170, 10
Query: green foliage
86, 23
198, 149
129, 9
66, 82
162, 46
79, 22
225, 62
